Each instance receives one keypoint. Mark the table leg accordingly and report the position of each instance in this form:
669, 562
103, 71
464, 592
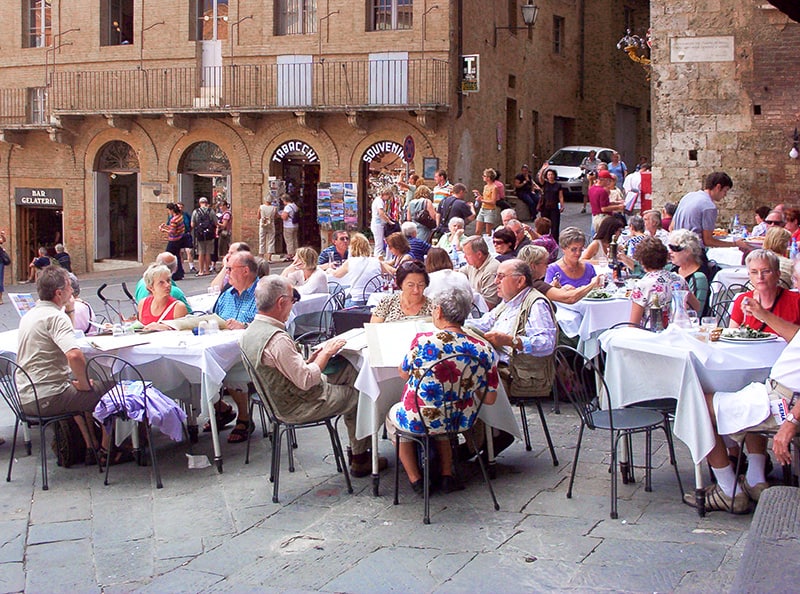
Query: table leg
699, 491
492, 470
212, 419
376, 477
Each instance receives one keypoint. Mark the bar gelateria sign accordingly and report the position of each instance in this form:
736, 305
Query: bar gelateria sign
39, 197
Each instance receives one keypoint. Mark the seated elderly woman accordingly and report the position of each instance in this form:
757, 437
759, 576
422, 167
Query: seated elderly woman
657, 283
536, 257
451, 306
609, 230
410, 302
357, 270
441, 273
81, 313
304, 274
569, 269
687, 256
160, 305
763, 269
504, 241
777, 240
400, 250
451, 241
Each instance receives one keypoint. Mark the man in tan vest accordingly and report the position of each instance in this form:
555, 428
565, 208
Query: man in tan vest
298, 388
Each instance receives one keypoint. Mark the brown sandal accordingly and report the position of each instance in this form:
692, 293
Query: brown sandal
241, 432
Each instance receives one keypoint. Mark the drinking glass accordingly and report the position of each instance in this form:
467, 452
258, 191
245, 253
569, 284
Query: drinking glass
693, 319
709, 322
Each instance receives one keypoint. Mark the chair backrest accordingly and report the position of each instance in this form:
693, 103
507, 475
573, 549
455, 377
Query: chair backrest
334, 287
722, 311
453, 383
578, 378
259, 387
642, 326
734, 289
9, 372
380, 283
118, 379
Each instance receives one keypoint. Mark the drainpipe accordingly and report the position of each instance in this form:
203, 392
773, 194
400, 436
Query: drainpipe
582, 45
459, 52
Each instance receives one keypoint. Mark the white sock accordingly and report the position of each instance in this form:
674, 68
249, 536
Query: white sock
726, 478
756, 464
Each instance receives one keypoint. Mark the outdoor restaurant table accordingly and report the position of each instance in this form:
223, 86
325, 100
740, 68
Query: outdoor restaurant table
178, 363
381, 387
726, 257
642, 365
587, 318
202, 301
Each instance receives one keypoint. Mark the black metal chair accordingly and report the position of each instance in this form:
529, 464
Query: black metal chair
334, 287
579, 378
317, 327
722, 311
255, 401
451, 416
119, 378
281, 426
380, 283
10, 374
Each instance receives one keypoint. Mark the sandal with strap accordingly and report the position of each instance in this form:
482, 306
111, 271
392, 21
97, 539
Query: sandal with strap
241, 432
121, 456
223, 418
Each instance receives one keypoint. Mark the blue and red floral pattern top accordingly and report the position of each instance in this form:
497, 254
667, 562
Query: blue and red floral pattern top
443, 384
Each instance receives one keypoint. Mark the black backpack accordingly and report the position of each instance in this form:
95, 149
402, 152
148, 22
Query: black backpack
205, 225
68, 444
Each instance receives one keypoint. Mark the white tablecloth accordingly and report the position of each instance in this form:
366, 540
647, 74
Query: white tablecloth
202, 302
725, 257
587, 319
641, 365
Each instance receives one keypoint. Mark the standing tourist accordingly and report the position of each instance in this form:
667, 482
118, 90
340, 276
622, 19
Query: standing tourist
224, 228
291, 217
379, 220
552, 202
204, 228
487, 215
266, 229
174, 230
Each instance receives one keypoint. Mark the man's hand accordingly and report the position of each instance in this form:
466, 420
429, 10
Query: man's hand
499, 339
333, 346
780, 443
234, 324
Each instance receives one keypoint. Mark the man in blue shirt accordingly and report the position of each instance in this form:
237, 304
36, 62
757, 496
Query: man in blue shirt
237, 306
333, 255
419, 248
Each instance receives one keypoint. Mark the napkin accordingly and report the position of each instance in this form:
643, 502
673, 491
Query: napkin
736, 411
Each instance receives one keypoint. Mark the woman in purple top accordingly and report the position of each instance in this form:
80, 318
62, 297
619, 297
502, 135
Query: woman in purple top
569, 270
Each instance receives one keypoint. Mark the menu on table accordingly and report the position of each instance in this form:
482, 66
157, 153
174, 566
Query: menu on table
389, 342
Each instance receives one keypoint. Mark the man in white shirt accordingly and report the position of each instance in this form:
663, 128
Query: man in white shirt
632, 188
442, 189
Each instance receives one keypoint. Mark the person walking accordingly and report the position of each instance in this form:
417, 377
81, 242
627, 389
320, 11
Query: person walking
291, 217
204, 229
174, 230
266, 229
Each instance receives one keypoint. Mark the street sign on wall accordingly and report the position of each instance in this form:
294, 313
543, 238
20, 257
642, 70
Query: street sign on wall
470, 73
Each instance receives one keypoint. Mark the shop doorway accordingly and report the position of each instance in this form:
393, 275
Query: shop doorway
381, 166
116, 191
296, 164
37, 227
205, 172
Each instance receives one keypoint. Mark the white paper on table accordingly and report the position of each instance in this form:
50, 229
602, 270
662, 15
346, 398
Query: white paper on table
356, 339
390, 342
112, 343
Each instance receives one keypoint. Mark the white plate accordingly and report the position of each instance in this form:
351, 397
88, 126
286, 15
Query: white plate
745, 339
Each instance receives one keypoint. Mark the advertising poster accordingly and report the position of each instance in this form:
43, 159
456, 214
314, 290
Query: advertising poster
337, 205
350, 207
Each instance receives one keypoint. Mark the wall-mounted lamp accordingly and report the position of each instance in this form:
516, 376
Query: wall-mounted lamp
529, 14
794, 153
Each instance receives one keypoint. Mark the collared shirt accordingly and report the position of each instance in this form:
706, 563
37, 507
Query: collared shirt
440, 192
540, 329
331, 254
281, 353
233, 305
696, 212
482, 279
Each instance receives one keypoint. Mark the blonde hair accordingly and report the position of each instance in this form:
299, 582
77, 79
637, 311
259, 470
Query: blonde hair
422, 191
309, 256
777, 240
359, 245
153, 273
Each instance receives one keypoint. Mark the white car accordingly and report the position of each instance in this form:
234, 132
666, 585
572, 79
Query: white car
567, 163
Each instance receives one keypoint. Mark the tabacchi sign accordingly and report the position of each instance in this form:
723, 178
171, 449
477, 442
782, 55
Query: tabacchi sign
39, 197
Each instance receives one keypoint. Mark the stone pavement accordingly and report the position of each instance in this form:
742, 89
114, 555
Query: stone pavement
210, 532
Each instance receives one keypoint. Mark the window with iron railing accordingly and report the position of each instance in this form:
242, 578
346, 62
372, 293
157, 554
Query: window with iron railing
37, 25
37, 105
295, 17
116, 22
387, 15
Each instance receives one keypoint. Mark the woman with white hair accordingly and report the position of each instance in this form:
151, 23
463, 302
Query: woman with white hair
686, 255
452, 240
764, 271
160, 306
451, 307
82, 313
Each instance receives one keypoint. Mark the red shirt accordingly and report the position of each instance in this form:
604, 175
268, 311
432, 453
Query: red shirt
598, 198
787, 307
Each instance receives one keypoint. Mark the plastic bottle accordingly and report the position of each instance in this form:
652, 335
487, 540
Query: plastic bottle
202, 328
735, 225
793, 249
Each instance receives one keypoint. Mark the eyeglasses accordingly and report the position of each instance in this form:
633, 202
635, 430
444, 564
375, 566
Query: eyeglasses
760, 273
779, 223
229, 268
295, 296
343, 239
499, 241
500, 275
676, 248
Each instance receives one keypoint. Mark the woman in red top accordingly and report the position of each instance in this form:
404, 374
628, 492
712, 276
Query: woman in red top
792, 216
160, 305
174, 230
763, 268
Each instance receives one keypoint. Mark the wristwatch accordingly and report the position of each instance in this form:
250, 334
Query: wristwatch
791, 419
516, 344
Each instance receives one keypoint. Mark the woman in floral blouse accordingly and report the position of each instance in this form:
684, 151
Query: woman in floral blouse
657, 283
451, 306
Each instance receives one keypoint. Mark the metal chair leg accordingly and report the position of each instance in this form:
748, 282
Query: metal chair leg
484, 473
43, 449
338, 452
575, 462
249, 434
525, 432
13, 449
152, 449
547, 433
396, 468
648, 461
276, 463
426, 480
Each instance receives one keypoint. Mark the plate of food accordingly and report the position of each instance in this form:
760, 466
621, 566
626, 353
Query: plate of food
600, 295
745, 334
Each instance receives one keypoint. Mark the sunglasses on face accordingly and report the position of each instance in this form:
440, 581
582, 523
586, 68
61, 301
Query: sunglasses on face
779, 223
675, 248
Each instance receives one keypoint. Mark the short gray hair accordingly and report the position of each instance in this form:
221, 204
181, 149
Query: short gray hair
458, 221
688, 240
269, 289
168, 260
508, 211
76, 286
514, 225
153, 272
571, 235
762, 254
246, 259
455, 303
532, 254
637, 223
476, 244
409, 229
522, 268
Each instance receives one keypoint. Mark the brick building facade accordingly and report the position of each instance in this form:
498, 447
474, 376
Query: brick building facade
724, 98
108, 115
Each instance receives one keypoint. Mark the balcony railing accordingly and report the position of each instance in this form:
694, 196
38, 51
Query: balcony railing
313, 86
14, 106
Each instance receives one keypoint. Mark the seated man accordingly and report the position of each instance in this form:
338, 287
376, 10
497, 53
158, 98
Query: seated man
299, 389
170, 261
237, 306
480, 268
523, 331
38, 264
419, 248
221, 281
725, 407
333, 255
49, 352
63, 257
519, 234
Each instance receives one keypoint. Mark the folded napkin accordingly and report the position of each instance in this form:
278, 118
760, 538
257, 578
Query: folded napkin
736, 411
